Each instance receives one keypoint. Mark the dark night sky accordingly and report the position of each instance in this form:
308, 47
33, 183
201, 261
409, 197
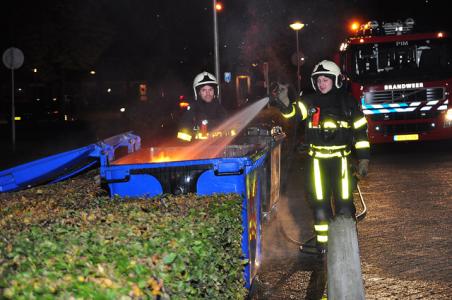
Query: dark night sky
174, 39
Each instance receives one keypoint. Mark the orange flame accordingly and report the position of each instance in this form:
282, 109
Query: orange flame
161, 157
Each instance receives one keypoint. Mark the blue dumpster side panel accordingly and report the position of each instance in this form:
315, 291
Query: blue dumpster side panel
209, 183
251, 221
251, 239
258, 227
144, 185
245, 243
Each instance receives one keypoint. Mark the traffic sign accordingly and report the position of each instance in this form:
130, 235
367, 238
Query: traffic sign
227, 77
13, 58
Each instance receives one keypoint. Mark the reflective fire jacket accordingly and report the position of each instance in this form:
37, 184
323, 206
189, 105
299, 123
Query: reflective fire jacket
334, 124
199, 118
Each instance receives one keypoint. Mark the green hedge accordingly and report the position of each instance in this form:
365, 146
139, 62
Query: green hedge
69, 240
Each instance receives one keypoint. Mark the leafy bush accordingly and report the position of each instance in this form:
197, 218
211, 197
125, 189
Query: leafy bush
69, 240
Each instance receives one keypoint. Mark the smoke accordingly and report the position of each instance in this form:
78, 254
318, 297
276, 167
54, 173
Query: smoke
282, 237
263, 34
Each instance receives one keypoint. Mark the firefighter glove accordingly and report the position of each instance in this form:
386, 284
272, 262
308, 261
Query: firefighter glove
363, 167
279, 96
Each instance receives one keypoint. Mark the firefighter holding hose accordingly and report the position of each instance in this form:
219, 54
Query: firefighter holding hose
335, 127
205, 112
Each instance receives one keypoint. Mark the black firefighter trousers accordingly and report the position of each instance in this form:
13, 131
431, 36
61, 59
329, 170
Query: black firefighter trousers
330, 184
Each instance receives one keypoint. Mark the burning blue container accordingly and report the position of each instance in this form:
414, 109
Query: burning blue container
250, 168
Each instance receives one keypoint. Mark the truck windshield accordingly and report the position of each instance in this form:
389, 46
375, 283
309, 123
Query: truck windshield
404, 60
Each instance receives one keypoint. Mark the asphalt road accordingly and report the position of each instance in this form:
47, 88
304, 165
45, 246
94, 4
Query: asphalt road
404, 239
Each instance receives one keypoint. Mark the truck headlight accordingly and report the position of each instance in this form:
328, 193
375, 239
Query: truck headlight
448, 118
449, 114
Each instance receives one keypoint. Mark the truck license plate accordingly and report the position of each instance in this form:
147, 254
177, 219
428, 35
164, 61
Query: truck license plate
406, 137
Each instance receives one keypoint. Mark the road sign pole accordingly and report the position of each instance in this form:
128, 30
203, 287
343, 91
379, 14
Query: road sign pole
13, 112
13, 58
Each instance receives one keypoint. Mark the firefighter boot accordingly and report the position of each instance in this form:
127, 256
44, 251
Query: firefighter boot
321, 230
322, 248
314, 247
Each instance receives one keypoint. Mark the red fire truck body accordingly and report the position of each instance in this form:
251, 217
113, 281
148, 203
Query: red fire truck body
403, 82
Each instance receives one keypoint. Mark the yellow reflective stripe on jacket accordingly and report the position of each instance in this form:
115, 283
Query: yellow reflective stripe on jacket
184, 136
200, 136
329, 124
216, 134
344, 124
362, 145
333, 124
361, 122
328, 147
291, 114
318, 154
303, 109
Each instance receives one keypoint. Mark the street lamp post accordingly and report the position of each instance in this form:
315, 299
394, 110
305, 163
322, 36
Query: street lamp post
217, 59
297, 26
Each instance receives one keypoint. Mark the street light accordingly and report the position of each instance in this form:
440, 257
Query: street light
216, 7
297, 26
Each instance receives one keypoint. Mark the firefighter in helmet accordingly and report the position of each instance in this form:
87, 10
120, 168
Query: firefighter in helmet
205, 112
335, 127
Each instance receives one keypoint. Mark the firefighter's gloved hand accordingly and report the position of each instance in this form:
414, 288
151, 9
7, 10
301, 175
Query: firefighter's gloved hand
279, 96
363, 167
281, 93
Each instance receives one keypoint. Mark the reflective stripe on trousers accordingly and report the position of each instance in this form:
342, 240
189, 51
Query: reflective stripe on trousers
336, 181
318, 180
345, 185
321, 231
344, 179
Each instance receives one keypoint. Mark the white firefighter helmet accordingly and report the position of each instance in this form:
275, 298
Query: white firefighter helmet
329, 69
204, 78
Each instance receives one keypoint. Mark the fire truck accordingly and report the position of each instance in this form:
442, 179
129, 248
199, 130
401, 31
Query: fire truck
402, 79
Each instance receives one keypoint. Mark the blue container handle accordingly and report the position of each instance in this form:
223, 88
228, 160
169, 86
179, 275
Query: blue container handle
219, 173
229, 167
